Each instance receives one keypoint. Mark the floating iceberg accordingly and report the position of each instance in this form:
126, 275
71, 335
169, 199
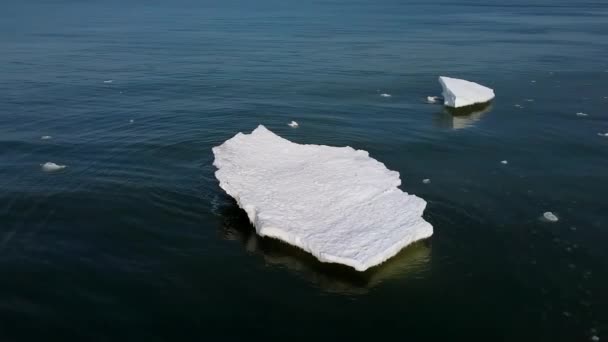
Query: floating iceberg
336, 203
293, 124
385, 95
460, 93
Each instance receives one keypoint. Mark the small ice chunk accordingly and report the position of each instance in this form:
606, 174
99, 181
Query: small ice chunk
504, 162
385, 95
337, 203
461, 93
549, 216
519, 106
581, 114
426, 181
603, 134
533, 81
50, 167
46, 137
131, 121
529, 100
293, 124
432, 99
108, 81
595, 338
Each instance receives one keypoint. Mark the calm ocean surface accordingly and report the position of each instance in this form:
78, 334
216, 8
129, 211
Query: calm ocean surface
135, 241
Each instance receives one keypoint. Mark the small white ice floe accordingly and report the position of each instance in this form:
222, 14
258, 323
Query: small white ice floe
131, 121
385, 95
519, 106
432, 99
581, 114
603, 134
51, 167
595, 338
426, 181
462, 93
533, 81
504, 162
549, 216
108, 81
293, 124
46, 137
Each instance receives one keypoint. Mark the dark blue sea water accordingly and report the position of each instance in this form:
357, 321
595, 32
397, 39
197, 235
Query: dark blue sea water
135, 241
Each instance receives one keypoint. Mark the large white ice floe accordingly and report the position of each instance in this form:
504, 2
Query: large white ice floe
337, 203
460, 93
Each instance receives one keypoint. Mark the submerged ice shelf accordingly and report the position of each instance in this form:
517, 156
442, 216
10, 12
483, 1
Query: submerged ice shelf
459, 93
336, 203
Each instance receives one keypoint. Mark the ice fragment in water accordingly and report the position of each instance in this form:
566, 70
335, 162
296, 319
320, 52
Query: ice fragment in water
461, 93
108, 81
385, 95
504, 162
46, 137
50, 167
432, 99
549, 216
581, 114
426, 181
293, 124
337, 203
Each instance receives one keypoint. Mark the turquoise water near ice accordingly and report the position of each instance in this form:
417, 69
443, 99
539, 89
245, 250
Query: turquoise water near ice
135, 240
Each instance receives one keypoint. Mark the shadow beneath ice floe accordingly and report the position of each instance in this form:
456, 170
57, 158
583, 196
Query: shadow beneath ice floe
464, 117
334, 278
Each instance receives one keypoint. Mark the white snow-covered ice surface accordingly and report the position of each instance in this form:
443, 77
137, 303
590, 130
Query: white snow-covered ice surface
337, 203
461, 93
